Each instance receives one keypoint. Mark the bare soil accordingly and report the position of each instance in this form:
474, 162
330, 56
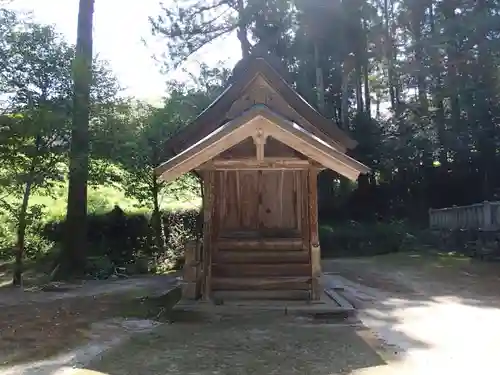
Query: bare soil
423, 274
43, 324
438, 312
257, 344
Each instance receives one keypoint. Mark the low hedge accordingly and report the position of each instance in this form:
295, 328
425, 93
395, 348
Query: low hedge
123, 237
362, 239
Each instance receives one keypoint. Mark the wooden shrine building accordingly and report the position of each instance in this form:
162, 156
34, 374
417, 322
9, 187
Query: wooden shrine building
259, 148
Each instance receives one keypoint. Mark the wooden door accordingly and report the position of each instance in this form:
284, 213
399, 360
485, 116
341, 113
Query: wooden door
278, 203
258, 203
237, 197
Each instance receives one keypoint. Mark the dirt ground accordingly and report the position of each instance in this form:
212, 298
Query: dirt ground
439, 313
62, 319
254, 345
419, 314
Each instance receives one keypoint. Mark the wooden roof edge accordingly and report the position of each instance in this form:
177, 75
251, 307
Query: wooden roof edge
245, 76
234, 88
326, 125
276, 118
246, 116
353, 166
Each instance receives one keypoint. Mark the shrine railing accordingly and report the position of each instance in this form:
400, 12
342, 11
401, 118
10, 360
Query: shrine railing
482, 216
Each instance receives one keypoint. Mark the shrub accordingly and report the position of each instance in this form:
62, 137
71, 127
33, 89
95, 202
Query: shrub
357, 239
124, 237
7, 237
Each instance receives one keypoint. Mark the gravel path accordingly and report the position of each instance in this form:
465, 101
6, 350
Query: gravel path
427, 320
35, 326
258, 344
88, 288
433, 326
103, 336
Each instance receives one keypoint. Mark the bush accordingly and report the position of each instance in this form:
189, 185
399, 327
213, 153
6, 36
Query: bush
123, 238
7, 237
362, 239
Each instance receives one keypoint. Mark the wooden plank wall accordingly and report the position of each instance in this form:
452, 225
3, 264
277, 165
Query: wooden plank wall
258, 199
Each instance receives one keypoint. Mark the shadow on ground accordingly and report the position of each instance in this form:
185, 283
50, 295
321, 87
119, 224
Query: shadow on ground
38, 325
412, 304
256, 344
427, 304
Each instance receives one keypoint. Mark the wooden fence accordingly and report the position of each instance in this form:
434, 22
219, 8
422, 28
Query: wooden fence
482, 216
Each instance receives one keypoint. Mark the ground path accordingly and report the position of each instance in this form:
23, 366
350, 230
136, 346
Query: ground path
39, 324
438, 314
427, 315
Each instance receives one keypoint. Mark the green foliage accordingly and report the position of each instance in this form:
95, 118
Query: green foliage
36, 81
363, 239
416, 83
119, 239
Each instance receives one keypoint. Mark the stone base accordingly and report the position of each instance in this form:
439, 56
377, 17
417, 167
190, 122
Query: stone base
330, 304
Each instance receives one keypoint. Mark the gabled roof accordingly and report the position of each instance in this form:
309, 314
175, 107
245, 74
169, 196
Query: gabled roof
215, 115
274, 125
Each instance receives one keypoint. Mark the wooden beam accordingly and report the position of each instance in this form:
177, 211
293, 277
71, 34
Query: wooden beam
261, 270
264, 257
262, 283
238, 198
260, 244
313, 227
270, 163
259, 139
280, 198
322, 153
298, 198
208, 202
272, 125
304, 201
285, 295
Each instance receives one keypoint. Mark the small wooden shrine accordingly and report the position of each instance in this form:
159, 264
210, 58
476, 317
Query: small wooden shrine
259, 148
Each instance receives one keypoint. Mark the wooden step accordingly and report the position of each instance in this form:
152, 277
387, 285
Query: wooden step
256, 270
258, 257
262, 283
284, 295
285, 244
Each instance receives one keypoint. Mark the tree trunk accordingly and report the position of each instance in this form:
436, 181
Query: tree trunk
359, 92
418, 13
377, 108
438, 94
346, 70
366, 71
73, 256
368, 101
320, 84
241, 31
487, 102
21, 231
389, 55
452, 70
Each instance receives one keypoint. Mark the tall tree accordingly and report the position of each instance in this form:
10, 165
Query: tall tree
430, 68
73, 255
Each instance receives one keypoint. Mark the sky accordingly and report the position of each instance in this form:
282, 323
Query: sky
120, 29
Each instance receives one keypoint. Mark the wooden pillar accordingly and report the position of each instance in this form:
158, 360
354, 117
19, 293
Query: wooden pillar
192, 271
313, 230
208, 202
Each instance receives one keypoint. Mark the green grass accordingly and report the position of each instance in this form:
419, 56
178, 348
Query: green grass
101, 199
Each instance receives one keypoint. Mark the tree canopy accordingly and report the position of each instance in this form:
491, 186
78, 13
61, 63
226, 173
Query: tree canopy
416, 82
